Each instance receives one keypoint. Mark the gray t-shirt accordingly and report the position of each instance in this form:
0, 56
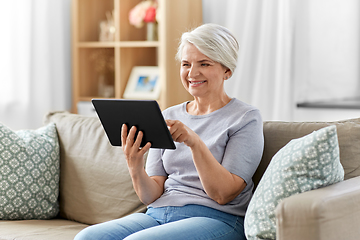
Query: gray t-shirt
234, 135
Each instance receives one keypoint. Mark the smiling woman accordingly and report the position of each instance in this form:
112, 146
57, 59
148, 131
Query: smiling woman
221, 47
203, 78
208, 56
201, 189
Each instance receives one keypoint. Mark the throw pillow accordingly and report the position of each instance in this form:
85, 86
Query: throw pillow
95, 184
303, 164
29, 173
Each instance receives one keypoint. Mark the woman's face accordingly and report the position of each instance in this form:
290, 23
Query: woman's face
201, 76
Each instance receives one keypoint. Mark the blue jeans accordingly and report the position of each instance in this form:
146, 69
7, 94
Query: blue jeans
175, 223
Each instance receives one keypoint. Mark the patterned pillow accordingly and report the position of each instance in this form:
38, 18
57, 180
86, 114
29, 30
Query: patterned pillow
303, 164
29, 173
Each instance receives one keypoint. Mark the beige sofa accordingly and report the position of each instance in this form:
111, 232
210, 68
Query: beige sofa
95, 185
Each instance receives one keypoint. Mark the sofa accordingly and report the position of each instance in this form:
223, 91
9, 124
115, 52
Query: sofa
95, 185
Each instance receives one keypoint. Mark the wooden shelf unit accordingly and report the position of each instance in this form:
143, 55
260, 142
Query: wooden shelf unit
129, 47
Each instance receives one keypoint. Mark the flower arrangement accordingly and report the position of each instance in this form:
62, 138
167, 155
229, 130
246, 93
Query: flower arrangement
103, 60
107, 28
144, 12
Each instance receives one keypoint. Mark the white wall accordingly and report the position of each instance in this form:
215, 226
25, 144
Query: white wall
326, 62
35, 61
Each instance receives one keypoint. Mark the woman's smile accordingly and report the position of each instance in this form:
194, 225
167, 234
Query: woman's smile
196, 83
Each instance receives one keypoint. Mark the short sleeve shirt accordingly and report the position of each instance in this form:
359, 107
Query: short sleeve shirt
234, 136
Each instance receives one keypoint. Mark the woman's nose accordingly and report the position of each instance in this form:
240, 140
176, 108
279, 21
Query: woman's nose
193, 72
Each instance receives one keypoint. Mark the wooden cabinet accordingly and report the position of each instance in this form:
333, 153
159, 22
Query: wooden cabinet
92, 58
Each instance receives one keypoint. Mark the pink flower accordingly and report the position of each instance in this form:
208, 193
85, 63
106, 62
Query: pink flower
150, 15
145, 11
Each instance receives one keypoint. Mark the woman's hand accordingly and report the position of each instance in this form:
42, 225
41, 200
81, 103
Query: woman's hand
181, 133
133, 153
147, 188
219, 184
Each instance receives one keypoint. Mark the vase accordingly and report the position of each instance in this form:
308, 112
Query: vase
105, 86
151, 31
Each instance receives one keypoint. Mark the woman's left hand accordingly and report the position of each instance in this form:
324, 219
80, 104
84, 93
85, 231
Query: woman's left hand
131, 147
219, 184
181, 133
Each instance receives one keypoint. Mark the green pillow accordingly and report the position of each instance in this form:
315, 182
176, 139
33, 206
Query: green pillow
29, 173
302, 165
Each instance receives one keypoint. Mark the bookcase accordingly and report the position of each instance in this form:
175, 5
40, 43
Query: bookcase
92, 58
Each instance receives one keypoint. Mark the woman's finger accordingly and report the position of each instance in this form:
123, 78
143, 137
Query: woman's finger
176, 129
123, 134
175, 135
169, 122
172, 125
130, 138
145, 148
138, 139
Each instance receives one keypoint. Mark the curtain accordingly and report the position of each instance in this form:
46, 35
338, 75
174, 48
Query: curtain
265, 30
35, 60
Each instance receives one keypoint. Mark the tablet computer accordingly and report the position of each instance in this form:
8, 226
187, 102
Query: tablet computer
145, 115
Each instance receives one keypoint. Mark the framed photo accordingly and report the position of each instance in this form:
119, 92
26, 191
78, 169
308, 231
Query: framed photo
143, 83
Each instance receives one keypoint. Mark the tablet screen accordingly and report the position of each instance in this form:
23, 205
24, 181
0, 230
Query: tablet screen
144, 114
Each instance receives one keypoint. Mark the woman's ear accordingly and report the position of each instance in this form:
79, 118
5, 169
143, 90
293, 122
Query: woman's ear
227, 74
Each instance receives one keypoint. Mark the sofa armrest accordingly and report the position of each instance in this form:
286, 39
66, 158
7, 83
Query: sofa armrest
329, 213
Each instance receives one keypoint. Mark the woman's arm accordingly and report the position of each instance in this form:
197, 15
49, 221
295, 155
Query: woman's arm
219, 184
147, 188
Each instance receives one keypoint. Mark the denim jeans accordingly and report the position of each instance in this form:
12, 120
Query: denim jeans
175, 223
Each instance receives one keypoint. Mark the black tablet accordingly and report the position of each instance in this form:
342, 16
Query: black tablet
145, 115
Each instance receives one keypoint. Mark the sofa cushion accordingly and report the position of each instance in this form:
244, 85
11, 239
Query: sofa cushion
95, 185
29, 173
303, 164
54, 229
277, 134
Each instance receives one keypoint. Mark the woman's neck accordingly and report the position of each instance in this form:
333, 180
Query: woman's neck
201, 106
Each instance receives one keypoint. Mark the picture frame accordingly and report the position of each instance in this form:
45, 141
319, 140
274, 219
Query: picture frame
143, 83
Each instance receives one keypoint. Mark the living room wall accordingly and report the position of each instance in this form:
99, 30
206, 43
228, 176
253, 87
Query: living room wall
327, 57
325, 63
324, 55
327, 49
35, 60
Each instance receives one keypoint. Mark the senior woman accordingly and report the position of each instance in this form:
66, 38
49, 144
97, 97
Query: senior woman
200, 190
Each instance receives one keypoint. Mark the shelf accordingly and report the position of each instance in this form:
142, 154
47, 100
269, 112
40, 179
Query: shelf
102, 68
88, 99
348, 103
96, 44
118, 44
139, 44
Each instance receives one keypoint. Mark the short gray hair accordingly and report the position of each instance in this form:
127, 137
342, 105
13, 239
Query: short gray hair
214, 41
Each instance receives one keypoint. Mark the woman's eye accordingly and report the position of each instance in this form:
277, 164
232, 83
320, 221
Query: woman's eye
205, 64
185, 64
